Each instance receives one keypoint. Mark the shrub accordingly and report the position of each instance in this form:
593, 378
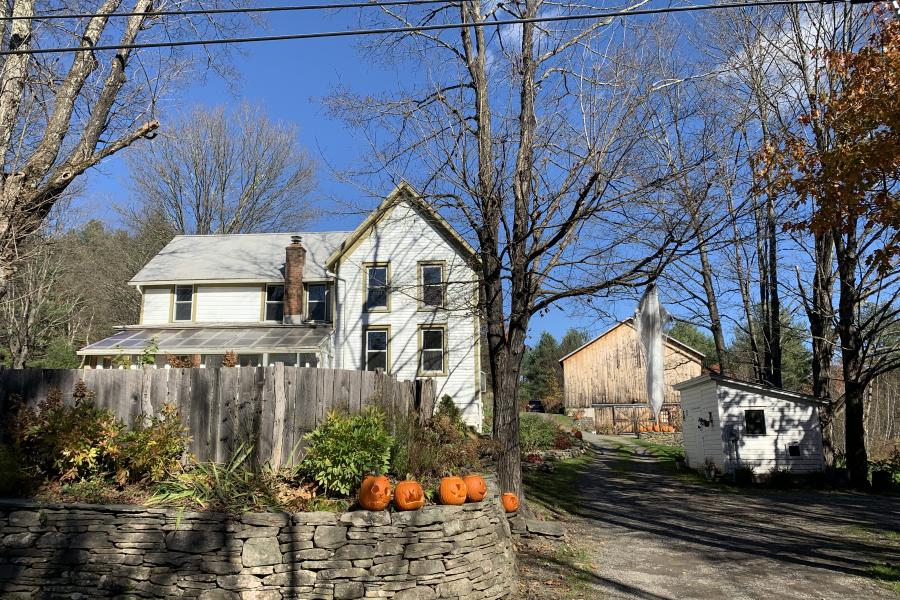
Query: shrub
448, 408
780, 479
562, 441
14, 480
80, 441
743, 476
153, 448
536, 433
346, 448
68, 442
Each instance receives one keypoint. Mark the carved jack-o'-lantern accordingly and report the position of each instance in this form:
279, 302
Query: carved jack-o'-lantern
452, 490
408, 495
375, 492
510, 502
476, 488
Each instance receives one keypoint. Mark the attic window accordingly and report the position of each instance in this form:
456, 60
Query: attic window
274, 303
754, 422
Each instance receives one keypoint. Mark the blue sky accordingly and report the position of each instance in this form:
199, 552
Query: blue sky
288, 80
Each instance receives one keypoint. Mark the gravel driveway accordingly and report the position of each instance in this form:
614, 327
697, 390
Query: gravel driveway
641, 532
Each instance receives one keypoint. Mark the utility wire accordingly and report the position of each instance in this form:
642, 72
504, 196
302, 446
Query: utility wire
224, 11
436, 27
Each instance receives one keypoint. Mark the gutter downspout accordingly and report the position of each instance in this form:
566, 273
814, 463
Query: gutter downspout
339, 317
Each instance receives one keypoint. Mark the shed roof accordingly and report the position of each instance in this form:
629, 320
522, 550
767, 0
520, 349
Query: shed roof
211, 338
248, 257
671, 342
750, 385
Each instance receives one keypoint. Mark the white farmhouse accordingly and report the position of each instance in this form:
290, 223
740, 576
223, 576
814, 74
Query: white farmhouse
398, 293
736, 424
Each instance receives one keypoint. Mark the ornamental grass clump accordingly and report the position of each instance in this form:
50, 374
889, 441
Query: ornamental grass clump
346, 448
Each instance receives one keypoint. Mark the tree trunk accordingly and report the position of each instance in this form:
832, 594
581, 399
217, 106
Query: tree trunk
774, 297
712, 305
852, 360
820, 313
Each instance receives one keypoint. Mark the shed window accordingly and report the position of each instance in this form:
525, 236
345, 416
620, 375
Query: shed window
184, 302
376, 349
274, 303
317, 304
754, 422
794, 449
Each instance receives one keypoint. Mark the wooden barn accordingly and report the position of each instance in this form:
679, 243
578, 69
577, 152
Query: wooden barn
606, 379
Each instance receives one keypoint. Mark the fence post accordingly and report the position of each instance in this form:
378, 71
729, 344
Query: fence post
424, 399
146, 388
280, 406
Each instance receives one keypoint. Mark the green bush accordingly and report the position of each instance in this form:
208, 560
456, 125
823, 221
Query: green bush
536, 433
153, 448
69, 442
346, 448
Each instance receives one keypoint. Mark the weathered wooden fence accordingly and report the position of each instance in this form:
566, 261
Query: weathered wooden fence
269, 407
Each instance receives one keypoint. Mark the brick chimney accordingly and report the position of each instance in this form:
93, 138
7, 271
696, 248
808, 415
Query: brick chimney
294, 261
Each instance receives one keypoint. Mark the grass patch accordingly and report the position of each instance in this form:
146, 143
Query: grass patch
886, 575
578, 570
667, 453
564, 421
557, 491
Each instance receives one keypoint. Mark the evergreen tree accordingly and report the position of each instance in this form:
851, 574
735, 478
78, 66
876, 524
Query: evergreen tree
686, 333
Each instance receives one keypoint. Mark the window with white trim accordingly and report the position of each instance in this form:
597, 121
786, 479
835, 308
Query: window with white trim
376, 349
433, 351
184, 303
433, 287
275, 302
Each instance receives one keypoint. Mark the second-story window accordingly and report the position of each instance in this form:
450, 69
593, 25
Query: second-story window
431, 277
377, 287
318, 302
184, 303
274, 303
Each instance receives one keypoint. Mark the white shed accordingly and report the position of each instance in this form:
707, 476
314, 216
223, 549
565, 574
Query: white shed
738, 424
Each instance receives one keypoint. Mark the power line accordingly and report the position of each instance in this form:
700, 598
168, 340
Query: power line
436, 27
224, 11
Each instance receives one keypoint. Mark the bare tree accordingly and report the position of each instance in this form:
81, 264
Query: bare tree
218, 171
531, 138
59, 118
32, 309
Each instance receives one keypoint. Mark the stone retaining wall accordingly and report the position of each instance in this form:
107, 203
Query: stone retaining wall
88, 551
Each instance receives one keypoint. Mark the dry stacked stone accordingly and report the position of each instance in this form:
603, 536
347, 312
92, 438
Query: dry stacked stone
89, 551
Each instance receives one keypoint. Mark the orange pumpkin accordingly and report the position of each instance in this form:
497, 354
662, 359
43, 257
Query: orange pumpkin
510, 502
476, 488
452, 490
578, 434
409, 496
375, 492
656, 428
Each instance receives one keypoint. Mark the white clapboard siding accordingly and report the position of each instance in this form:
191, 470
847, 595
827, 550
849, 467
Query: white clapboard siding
790, 419
701, 442
403, 238
156, 303
787, 422
227, 303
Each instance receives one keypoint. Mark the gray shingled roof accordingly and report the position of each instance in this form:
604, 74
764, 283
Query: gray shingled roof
246, 257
